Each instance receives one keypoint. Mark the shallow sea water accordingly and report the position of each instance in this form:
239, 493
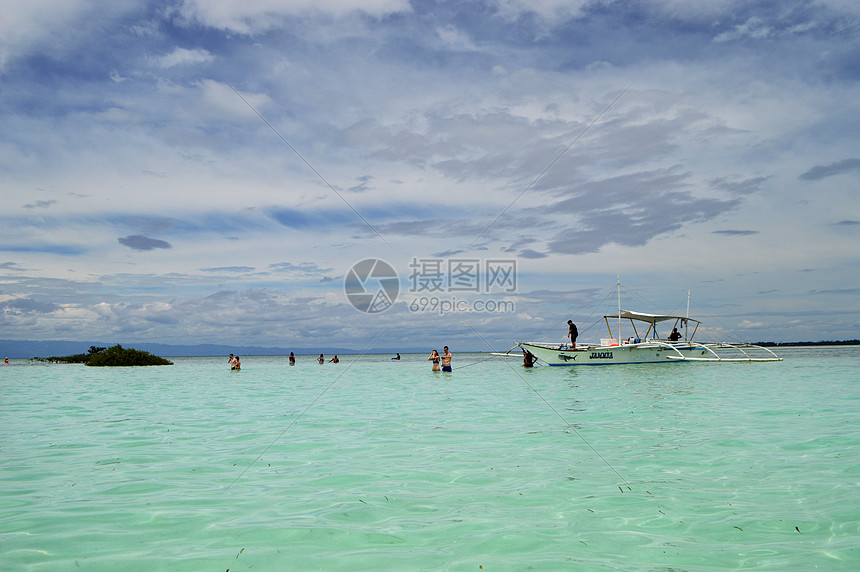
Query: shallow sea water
381, 465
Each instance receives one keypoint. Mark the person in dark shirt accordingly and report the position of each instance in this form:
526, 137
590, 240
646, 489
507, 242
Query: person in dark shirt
573, 333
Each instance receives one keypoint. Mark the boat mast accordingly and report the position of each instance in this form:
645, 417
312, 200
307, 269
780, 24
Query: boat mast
619, 309
687, 318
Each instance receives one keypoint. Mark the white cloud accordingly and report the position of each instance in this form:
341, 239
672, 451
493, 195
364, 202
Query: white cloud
455, 39
754, 28
254, 16
27, 25
547, 9
182, 57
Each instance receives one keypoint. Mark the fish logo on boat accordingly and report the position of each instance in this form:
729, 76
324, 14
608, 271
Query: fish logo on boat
371, 285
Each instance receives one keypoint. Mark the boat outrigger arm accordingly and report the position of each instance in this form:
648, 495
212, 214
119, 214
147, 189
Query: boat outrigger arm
647, 346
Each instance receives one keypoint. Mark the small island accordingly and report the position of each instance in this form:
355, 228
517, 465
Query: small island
112, 356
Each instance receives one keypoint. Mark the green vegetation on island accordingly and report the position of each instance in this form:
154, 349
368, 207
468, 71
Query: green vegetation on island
113, 356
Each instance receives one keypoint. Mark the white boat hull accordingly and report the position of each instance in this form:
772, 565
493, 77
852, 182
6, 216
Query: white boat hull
646, 352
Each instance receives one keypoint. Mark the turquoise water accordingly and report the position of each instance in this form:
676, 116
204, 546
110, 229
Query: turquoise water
381, 465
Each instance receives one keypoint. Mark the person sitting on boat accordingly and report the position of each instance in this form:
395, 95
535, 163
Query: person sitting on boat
675, 335
528, 358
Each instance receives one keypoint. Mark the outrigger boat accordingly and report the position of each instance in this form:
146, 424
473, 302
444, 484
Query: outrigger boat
646, 347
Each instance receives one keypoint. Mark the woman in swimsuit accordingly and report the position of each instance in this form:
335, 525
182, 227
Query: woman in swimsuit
434, 357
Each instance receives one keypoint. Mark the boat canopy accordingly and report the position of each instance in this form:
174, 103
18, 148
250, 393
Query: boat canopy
649, 318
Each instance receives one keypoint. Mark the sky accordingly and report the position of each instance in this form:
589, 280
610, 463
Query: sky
207, 171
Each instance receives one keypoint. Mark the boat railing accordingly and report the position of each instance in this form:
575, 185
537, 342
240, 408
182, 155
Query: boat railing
561, 346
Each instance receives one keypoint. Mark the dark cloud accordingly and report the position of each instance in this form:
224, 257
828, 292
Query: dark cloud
731, 232
631, 210
63, 249
303, 268
362, 185
820, 172
28, 306
308, 219
435, 228
529, 253
231, 269
141, 242
739, 186
40, 204
848, 223
838, 291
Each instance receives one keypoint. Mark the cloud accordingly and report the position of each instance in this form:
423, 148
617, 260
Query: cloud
141, 242
820, 172
531, 254
40, 204
631, 210
362, 185
448, 253
230, 269
837, 291
28, 306
257, 16
729, 232
739, 187
754, 29
182, 56
61, 249
455, 39
305, 268
27, 23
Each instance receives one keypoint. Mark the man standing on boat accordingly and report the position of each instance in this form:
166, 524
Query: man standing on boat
572, 333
